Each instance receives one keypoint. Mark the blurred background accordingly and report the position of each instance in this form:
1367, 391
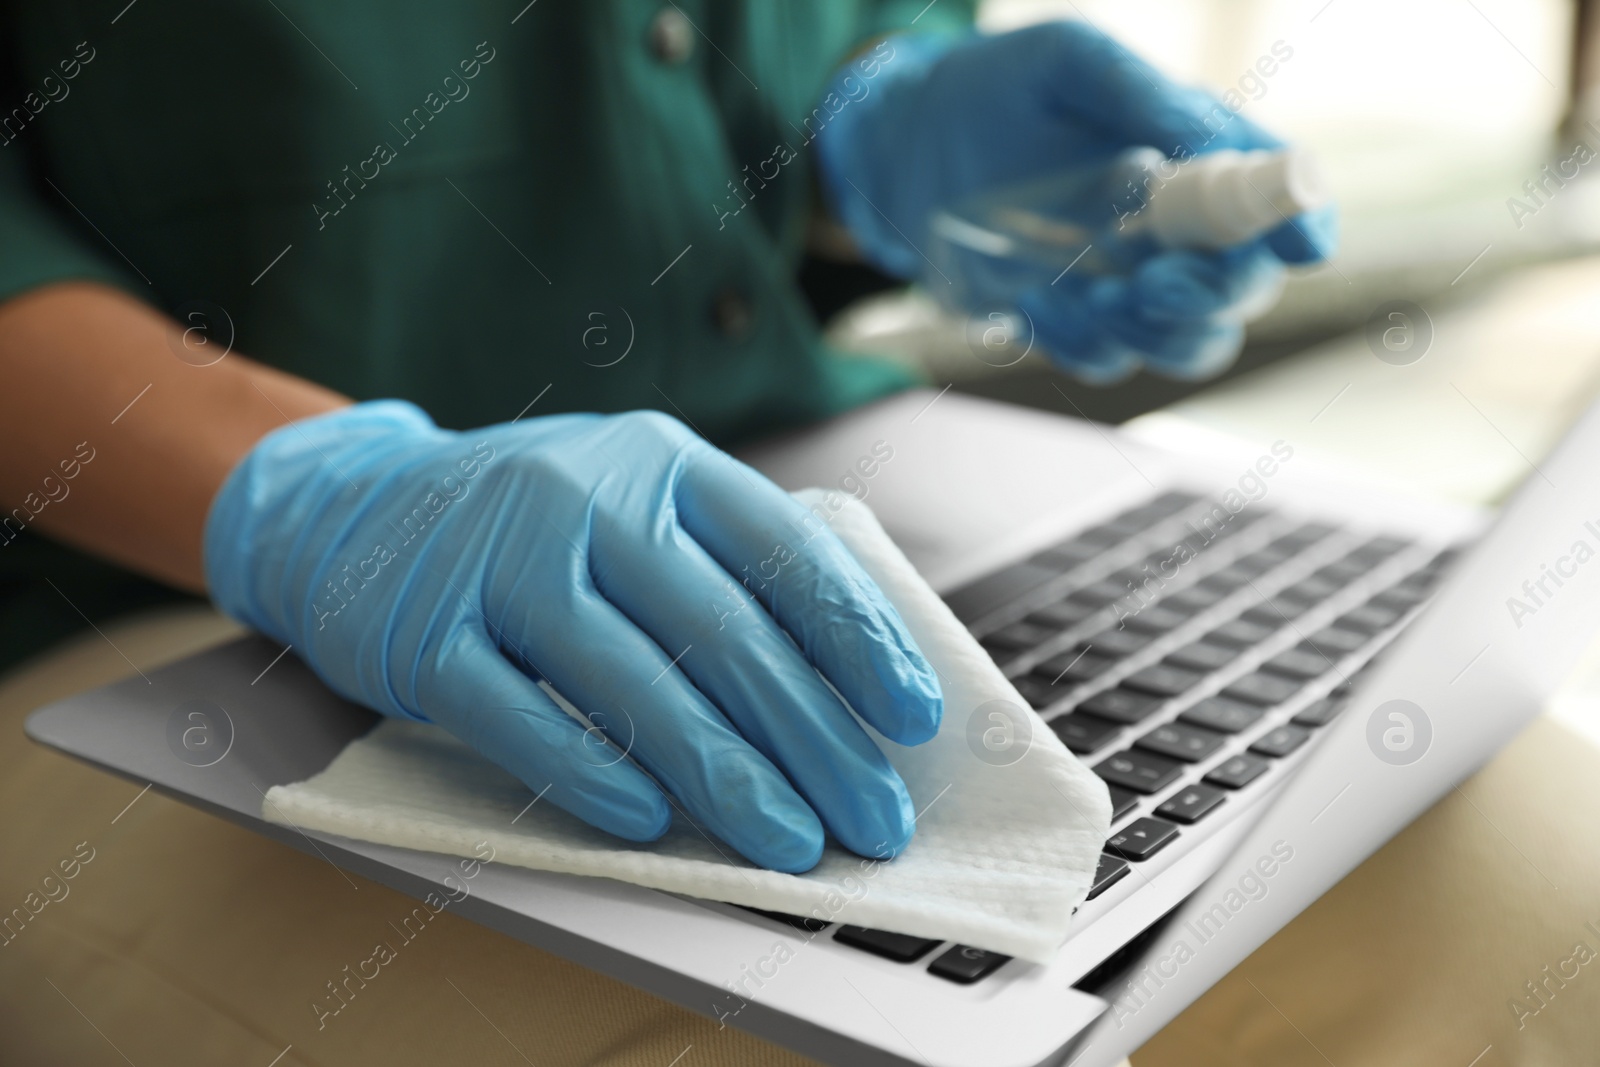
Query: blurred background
1428, 117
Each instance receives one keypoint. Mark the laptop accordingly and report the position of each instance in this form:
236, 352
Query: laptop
1274, 668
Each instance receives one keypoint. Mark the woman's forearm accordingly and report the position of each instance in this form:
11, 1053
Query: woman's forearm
110, 442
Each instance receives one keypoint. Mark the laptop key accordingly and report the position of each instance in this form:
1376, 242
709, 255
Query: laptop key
1139, 771
1122, 802
1238, 772
1039, 693
1242, 633
1154, 620
1074, 665
1220, 713
964, 964
1313, 589
1116, 642
1194, 599
1400, 597
1282, 741
1019, 637
1320, 713
1141, 839
973, 601
902, 948
1066, 555
1102, 592
1182, 741
1299, 663
1110, 871
1191, 804
1202, 657
1084, 734
1336, 642
1277, 610
1120, 705
1060, 615
799, 922
1263, 689
1369, 618
1161, 680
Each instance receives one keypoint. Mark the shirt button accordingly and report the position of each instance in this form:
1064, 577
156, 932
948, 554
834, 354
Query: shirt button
671, 36
732, 314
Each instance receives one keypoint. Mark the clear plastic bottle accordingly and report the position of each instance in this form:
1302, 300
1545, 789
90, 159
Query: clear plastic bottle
1105, 219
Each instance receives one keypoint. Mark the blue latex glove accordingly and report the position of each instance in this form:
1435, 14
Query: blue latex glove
940, 120
436, 575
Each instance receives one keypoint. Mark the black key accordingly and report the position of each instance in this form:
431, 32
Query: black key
1191, 803
1107, 874
1220, 713
1074, 665
1336, 642
1202, 657
1262, 560
1154, 620
1369, 618
1400, 597
1299, 663
1161, 681
1039, 693
811, 926
1102, 592
1019, 637
1060, 615
1122, 802
972, 602
1066, 555
1345, 570
1308, 534
965, 964
1141, 839
1238, 772
1312, 590
1242, 633
1282, 741
1083, 733
1116, 642
1101, 535
1119, 705
1171, 502
1181, 741
1320, 713
1139, 771
1225, 581
1380, 548
1195, 598
1277, 610
1263, 689
902, 948
1341, 573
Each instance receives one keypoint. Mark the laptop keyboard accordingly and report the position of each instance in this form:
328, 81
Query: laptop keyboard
1181, 651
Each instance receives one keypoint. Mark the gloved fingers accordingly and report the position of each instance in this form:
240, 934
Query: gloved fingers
1186, 350
1184, 286
816, 591
630, 687
1309, 238
1066, 330
738, 656
1084, 75
473, 691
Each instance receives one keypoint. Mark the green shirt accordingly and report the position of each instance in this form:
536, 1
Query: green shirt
590, 205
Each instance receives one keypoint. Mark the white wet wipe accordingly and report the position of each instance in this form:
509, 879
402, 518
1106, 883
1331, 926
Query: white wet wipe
1009, 829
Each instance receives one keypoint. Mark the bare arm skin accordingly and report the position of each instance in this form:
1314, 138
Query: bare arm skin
72, 357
